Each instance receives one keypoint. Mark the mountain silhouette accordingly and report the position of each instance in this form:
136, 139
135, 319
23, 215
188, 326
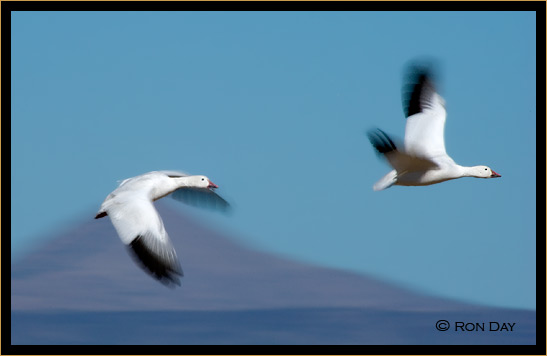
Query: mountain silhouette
84, 288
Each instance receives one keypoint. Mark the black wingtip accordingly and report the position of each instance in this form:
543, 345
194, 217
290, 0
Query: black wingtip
100, 215
166, 272
419, 77
381, 141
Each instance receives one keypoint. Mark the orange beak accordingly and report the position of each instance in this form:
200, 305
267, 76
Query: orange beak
495, 175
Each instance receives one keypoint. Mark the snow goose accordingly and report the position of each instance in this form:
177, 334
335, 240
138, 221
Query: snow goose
138, 224
424, 160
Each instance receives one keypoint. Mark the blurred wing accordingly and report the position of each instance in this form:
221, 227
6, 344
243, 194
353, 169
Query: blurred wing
399, 160
157, 257
140, 227
201, 198
426, 117
174, 173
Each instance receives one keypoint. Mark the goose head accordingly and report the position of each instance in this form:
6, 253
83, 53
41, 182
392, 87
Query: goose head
484, 172
200, 182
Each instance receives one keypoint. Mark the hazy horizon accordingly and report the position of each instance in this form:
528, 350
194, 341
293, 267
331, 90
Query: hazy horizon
83, 288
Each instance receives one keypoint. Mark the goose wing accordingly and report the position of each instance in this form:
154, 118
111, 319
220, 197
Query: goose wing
201, 198
140, 227
399, 160
174, 173
426, 117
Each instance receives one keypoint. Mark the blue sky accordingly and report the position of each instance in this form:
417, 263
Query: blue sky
273, 108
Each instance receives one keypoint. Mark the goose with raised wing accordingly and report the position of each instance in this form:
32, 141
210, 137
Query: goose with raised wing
423, 159
138, 224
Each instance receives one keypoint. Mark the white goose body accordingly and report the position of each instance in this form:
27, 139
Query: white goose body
138, 224
424, 160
